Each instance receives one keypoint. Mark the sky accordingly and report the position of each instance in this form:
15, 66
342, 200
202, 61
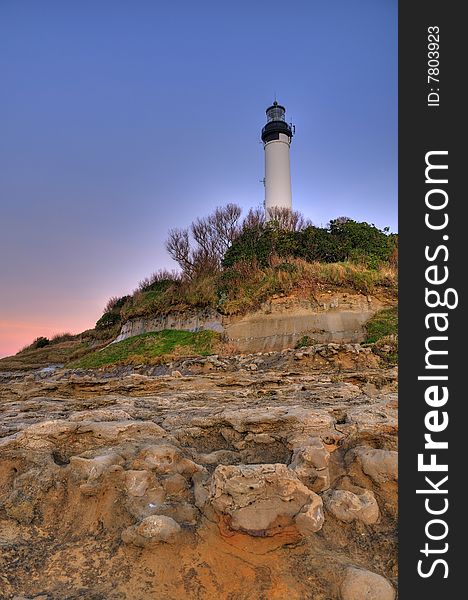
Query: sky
121, 119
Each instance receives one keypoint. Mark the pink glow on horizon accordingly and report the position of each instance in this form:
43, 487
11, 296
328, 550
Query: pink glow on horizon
15, 335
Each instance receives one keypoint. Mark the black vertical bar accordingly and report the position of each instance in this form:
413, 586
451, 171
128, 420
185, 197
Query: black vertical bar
426, 126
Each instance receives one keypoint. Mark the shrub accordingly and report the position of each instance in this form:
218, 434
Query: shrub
108, 319
362, 239
112, 312
343, 240
304, 341
159, 281
39, 342
115, 303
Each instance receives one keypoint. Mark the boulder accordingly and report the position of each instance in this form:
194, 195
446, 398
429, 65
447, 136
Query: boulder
164, 459
92, 468
380, 465
261, 500
310, 463
360, 584
137, 482
152, 530
347, 506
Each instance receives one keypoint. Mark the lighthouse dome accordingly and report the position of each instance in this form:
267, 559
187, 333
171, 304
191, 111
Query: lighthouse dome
275, 112
276, 123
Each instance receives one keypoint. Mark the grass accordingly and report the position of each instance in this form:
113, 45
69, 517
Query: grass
180, 296
245, 287
249, 286
305, 341
57, 354
61, 350
151, 348
382, 325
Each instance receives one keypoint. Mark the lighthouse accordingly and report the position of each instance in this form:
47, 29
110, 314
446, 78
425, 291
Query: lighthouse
276, 138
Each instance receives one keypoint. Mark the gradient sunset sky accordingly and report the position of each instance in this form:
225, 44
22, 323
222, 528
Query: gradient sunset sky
122, 119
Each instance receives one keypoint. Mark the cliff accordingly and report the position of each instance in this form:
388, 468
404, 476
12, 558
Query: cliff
330, 316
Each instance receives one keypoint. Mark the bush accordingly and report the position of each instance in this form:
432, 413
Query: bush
343, 240
112, 312
108, 319
39, 342
304, 341
115, 303
361, 240
261, 244
286, 267
159, 281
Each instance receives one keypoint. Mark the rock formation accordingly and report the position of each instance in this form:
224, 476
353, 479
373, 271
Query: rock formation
255, 477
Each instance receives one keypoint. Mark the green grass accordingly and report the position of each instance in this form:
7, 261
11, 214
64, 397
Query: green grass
382, 324
304, 341
151, 348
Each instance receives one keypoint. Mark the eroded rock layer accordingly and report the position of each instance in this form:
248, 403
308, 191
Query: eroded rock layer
261, 477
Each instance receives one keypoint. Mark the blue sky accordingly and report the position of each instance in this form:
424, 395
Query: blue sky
122, 119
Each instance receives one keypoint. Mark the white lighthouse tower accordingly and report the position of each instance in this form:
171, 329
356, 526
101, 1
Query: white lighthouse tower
276, 138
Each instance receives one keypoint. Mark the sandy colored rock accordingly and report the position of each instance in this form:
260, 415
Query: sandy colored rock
137, 482
165, 459
93, 468
310, 520
261, 499
380, 465
310, 463
360, 584
88, 456
348, 506
152, 530
101, 415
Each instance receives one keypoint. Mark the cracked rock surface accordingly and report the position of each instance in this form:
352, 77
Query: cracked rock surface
202, 479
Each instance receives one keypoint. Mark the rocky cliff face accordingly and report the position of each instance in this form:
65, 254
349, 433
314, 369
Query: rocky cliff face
278, 324
261, 477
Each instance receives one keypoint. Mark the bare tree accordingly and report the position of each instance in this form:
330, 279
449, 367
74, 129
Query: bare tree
255, 219
225, 223
178, 246
212, 236
292, 220
215, 233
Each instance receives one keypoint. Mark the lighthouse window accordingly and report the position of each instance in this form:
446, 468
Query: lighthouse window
275, 113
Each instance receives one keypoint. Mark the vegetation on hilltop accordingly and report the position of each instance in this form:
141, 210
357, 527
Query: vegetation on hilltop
233, 265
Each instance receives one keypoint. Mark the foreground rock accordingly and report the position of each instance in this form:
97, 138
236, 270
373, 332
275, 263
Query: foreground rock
348, 506
360, 584
262, 500
272, 483
152, 530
